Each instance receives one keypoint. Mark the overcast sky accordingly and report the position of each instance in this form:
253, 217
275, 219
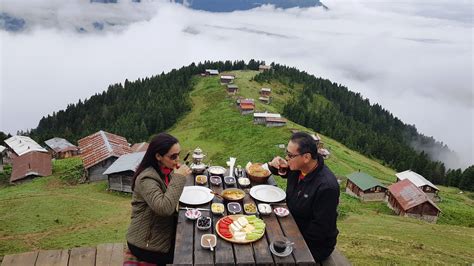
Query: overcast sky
414, 57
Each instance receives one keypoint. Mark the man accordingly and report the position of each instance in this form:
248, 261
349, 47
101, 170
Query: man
312, 193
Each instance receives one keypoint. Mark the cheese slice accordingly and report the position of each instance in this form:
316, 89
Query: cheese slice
242, 221
236, 224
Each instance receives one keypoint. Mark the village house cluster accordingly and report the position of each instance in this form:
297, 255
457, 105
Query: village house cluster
411, 196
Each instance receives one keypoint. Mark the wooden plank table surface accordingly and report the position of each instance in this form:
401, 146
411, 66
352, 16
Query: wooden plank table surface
188, 249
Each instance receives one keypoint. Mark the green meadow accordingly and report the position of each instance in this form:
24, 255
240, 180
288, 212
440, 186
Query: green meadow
49, 213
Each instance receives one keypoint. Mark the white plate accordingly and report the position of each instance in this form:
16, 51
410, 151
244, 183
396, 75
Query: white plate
267, 193
196, 195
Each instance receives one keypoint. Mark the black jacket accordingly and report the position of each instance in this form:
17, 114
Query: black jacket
313, 203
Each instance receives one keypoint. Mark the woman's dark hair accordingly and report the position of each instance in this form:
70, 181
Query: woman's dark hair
160, 144
306, 143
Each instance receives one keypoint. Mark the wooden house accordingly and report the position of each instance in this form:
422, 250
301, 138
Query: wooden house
139, 147
60, 148
246, 106
275, 121
30, 165
99, 151
365, 187
265, 92
3, 154
406, 199
263, 68
211, 72
120, 173
426, 186
264, 99
227, 79
232, 89
19, 145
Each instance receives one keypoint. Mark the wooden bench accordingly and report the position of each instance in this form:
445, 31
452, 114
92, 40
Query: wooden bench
111, 254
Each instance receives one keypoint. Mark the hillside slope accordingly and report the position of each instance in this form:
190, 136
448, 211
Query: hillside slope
46, 214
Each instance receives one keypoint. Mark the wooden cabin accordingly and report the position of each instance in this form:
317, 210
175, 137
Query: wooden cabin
232, 89
426, 186
227, 79
30, 165
120, 173
211, 72
19, 145
3, 154
406, 199
275, 121
60, 148
246, 106
365, 187
99, 151
263, 68
265, 100
265, 92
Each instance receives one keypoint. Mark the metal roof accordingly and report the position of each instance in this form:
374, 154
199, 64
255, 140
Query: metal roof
232, 86
364, 181
227, 77
247, 106
126, 162
266, 115
275, 119
33, 163
247, 101
213, 71
265, 66
2, 148
101, 145
264, 98
266, 89
60, 145
139, 147
415, 178
23, 144
409, 195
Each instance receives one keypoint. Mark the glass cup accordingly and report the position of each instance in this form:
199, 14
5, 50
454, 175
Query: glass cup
282, 167
280, 244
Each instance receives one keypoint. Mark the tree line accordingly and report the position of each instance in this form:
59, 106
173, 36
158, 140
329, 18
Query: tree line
335, 111
134, 109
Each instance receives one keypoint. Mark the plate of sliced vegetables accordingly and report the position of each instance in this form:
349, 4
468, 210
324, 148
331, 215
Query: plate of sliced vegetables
240, 229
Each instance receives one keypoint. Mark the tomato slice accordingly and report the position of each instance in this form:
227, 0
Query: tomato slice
223, 225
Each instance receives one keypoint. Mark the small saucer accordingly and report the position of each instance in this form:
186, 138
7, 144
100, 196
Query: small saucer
285, 253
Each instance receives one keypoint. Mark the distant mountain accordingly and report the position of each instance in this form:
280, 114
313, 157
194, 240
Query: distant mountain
233, 5
11, 23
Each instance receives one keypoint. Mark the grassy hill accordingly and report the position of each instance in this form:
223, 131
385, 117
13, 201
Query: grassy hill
47, 214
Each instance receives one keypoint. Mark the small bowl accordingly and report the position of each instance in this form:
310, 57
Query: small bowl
201, 179
234, 207
192, 214
281, 212
217, 170
215, 180
244, 182
205, 243
203, 223
220, 209
229, 180
264, 208
250, 208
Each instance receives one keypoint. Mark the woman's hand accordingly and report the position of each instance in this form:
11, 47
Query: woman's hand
183, 170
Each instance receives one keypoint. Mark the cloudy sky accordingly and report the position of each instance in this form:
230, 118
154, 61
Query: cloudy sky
414, 57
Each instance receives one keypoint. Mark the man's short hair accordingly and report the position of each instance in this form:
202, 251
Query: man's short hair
306, 143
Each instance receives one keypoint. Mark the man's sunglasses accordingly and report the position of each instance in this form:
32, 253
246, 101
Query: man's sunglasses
291, 155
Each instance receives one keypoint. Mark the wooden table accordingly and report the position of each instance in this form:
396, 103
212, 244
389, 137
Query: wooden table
189, 251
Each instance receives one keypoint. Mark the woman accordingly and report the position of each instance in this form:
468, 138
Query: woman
312, 193
157, 186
